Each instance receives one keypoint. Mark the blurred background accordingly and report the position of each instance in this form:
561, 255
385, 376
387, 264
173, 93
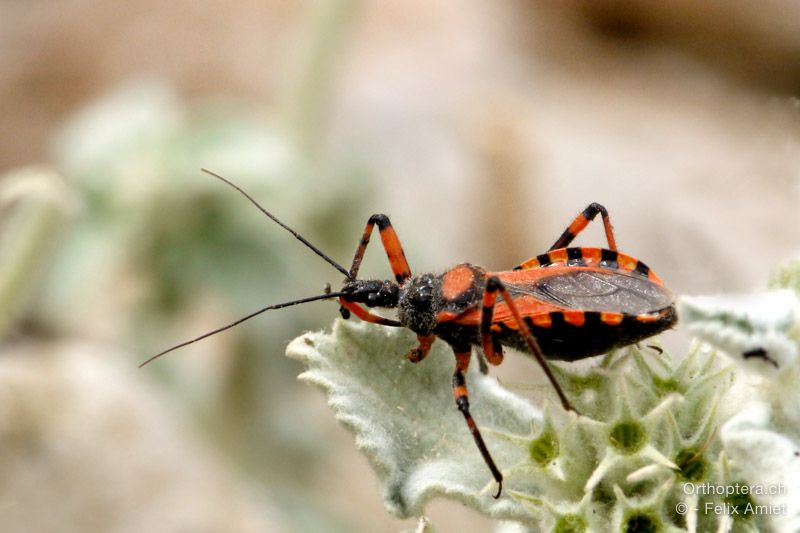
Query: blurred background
480, 128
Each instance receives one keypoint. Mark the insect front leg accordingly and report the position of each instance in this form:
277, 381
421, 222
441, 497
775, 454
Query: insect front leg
493, 284
363, 314
461, 395
397, 262
391, 243
421, 351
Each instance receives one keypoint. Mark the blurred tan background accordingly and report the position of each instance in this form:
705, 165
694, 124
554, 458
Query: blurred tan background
481, 128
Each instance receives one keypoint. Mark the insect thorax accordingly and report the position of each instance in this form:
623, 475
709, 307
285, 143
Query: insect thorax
420, 301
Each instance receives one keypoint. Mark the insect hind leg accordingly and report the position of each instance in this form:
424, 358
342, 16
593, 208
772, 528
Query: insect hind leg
576, 226
580, 223
493, 284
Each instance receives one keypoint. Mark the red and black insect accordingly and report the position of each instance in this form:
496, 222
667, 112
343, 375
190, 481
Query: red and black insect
566, 304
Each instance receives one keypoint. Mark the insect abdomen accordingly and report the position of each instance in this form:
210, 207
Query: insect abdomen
573, 335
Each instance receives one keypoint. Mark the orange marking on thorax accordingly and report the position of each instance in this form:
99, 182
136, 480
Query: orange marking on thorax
456, 281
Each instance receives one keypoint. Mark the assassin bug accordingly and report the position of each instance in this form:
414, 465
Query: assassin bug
566, 304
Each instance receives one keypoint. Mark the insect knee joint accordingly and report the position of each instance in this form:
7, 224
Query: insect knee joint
462, 402
382, 221
594, 208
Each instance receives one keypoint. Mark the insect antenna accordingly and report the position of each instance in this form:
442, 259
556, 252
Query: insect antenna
275, 219
248, 317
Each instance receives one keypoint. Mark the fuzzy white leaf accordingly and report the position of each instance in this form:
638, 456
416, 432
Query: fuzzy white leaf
769, 461
755, 329
405, 420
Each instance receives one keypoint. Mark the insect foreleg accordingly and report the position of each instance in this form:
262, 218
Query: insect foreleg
461, 396
391, 243
421, 351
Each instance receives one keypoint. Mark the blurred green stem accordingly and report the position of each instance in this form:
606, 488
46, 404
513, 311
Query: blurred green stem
32, 208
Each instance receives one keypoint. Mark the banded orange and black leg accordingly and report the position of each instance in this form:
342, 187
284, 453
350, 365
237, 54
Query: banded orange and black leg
493, 284
461, 396
363, 314
580, 223
572, 231
391, 244
421, 351
397, 262
492, 349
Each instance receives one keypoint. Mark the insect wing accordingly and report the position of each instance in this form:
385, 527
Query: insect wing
589, 289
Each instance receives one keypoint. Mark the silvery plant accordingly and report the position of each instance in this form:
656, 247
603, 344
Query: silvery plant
706, 441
